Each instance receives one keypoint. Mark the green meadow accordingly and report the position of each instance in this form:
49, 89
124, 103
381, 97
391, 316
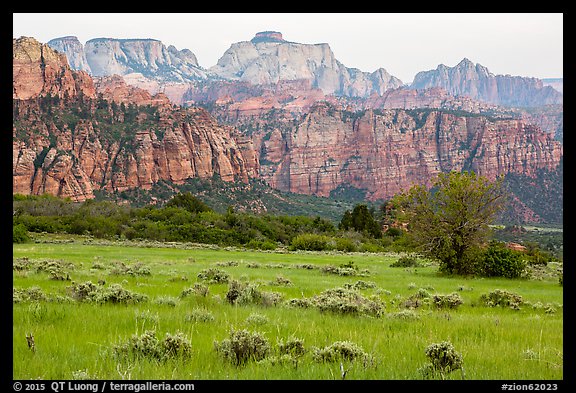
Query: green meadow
151, 311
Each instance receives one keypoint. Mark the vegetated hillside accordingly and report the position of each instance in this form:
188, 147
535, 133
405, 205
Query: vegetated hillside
255, 197
543, 195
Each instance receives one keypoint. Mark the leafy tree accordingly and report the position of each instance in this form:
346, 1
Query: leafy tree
361, 220
450, 222
188, 202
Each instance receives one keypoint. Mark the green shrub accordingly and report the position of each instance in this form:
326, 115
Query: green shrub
311, 242
406, 261
243, 346
345, 244
347, 301
261, 245
447, 301
502, 298
248, 293
148, 345
214, 276
338, 351
443, 359
499, 261
20, 234
294, 347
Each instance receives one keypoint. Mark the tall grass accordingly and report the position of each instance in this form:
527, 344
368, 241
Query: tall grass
75, 339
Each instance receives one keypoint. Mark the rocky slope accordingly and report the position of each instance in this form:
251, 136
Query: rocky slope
69, 141
39, 70
475, 81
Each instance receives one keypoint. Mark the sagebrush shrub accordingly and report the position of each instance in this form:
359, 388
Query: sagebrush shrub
248, 293
443, 358
502, 298
28, 294
198, 289
214, 276
136, 269
338, 351
452, 300
243, 346
347, 301
115, 293
406, 261
149, 346
293, 347
199, 315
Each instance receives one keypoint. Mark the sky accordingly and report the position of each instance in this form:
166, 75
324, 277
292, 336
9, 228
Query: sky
517, 44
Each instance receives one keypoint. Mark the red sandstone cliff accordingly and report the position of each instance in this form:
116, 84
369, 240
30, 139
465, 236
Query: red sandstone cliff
387, 151
74, 144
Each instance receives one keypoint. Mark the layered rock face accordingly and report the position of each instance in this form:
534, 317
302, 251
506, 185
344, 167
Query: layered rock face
148, 57
268, 59
74, 51
37, 70
477, 82
76, 144
386, 152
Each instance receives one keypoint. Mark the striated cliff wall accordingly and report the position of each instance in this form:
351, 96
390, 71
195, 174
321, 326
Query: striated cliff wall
384, 152
70, 141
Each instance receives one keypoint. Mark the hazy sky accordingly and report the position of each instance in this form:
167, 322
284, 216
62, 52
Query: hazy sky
519, 44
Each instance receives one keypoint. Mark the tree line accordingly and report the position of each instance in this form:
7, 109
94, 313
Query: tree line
448, 223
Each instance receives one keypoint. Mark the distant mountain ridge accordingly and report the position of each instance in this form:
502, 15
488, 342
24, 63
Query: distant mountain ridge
475, 81
268, 58
149, 57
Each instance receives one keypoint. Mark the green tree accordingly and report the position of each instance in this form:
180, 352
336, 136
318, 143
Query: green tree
188, 202
361, 220
450, 221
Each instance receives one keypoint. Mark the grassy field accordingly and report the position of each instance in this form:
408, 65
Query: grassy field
75, 338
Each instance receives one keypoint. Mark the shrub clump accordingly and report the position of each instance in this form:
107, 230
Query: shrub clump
346, 269
214, 276
198, 289
339, 351
115, 293
500, 261
199, 315
243, 346
137, 269
247, 293
20, 234
293, 347
502, 298
148, 345
28, 294
311, 242
452, 300
406, 261
348, 301
443, 360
